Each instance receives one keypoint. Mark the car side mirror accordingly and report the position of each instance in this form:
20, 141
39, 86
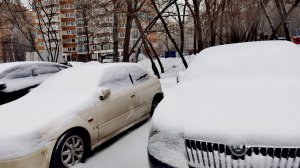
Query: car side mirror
179, 76
104, 93
2, 86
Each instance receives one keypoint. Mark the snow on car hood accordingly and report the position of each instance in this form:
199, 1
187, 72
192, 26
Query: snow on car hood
53, 103
238, 94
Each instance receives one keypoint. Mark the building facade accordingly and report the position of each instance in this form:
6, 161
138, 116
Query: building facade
72, 33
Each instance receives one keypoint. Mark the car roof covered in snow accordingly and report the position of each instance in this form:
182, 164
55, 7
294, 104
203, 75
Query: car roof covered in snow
260, 60
21, 75
229, 93
12, 65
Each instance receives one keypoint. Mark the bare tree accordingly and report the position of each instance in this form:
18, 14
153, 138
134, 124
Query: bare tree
131, 5
168, 33
284, 18
17, 21
144, 42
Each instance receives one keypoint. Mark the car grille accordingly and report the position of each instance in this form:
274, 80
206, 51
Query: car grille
202, 154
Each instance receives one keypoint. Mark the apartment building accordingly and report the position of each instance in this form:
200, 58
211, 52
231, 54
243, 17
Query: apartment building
56, 20
76, 39
68, 29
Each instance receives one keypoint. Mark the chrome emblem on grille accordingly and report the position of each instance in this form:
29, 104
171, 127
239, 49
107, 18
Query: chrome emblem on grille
238, 150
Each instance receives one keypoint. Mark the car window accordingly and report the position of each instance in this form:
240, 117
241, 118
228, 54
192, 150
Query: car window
62, 67
20, 72
116, 79
45, 69
139, 75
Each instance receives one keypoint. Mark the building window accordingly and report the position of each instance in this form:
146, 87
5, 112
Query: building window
71, 49
71, 32
69, 15
121, 35
71, 41
68, 6
123, 25
68, 24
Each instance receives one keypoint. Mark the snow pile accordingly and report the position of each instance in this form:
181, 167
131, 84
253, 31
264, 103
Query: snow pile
172, 66
229, 93
21, 75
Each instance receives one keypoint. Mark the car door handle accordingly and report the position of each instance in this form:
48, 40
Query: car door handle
132, 95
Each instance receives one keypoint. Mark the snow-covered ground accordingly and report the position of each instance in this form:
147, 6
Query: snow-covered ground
129, 150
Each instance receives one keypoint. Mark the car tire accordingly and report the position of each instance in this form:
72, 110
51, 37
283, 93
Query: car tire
155, 102
70, 149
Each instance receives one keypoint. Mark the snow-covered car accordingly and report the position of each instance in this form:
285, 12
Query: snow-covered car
75, 64
18, 78
236, 106
60, 121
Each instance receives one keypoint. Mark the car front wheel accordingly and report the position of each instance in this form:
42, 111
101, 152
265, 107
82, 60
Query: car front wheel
69, 150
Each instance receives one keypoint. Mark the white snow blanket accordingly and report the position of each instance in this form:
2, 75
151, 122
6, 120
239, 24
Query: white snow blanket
233, 94
238, 94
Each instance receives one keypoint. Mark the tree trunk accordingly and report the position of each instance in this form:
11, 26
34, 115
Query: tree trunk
151, 24
115, 33
195, 26
282, 14
222, 21
157, 57
154, 68
145, 40
295, 5
181, 28
198, 26
86, 32
286, 26
168, 33
266, 14
130, 12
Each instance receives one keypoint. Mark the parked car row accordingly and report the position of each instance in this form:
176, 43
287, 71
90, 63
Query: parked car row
235, 106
